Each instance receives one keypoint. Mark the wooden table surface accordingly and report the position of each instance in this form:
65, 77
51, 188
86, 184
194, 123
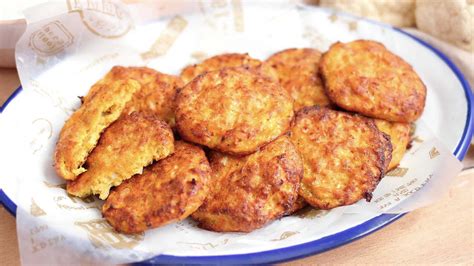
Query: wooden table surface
441, 233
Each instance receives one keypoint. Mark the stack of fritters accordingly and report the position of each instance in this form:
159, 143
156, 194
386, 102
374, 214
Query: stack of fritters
249, 191
121, 137
344, 156
82, 131
125, 147
299, 128
169, 190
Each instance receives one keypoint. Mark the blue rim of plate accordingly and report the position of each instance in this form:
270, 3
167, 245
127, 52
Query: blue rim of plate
322, 244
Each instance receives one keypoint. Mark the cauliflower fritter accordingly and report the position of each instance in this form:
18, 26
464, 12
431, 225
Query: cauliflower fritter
399, 136
233, 110
248, 192
131, 143
106, 101
385, 139
156, 95
363, 76
227, 60
344, 156
298, 74
299, 204
167, 191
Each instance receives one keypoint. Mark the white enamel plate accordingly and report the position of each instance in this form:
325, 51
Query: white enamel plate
261, 31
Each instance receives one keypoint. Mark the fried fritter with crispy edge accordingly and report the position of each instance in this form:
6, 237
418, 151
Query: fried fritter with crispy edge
298, 73
385, 139
167, 191
364, 77
232, 110
82, 130
156, 95
343, 155
399, 136
248, 192
227, 60
124, 149
299, 204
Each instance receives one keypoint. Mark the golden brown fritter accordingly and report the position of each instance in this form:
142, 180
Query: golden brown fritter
385, 138
298, 73
131, 143
363, 76
82, 130
157, 93
232, 110
299, 204
227, 60
343, 156
248, 192
167, 191
399, 136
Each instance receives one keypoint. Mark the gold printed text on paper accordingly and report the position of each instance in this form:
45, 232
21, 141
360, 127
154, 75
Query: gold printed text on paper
333, 17
69, 202
166, 39
100, 60
39, 242
217, 13
103, 236
352, 25
434, 153
312, 33
238, 15
50, 39
205, 246
401, 192
51, 185
90, 199
104, 18
286, 235
42, 132
57, 101
35, 210
399, 172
